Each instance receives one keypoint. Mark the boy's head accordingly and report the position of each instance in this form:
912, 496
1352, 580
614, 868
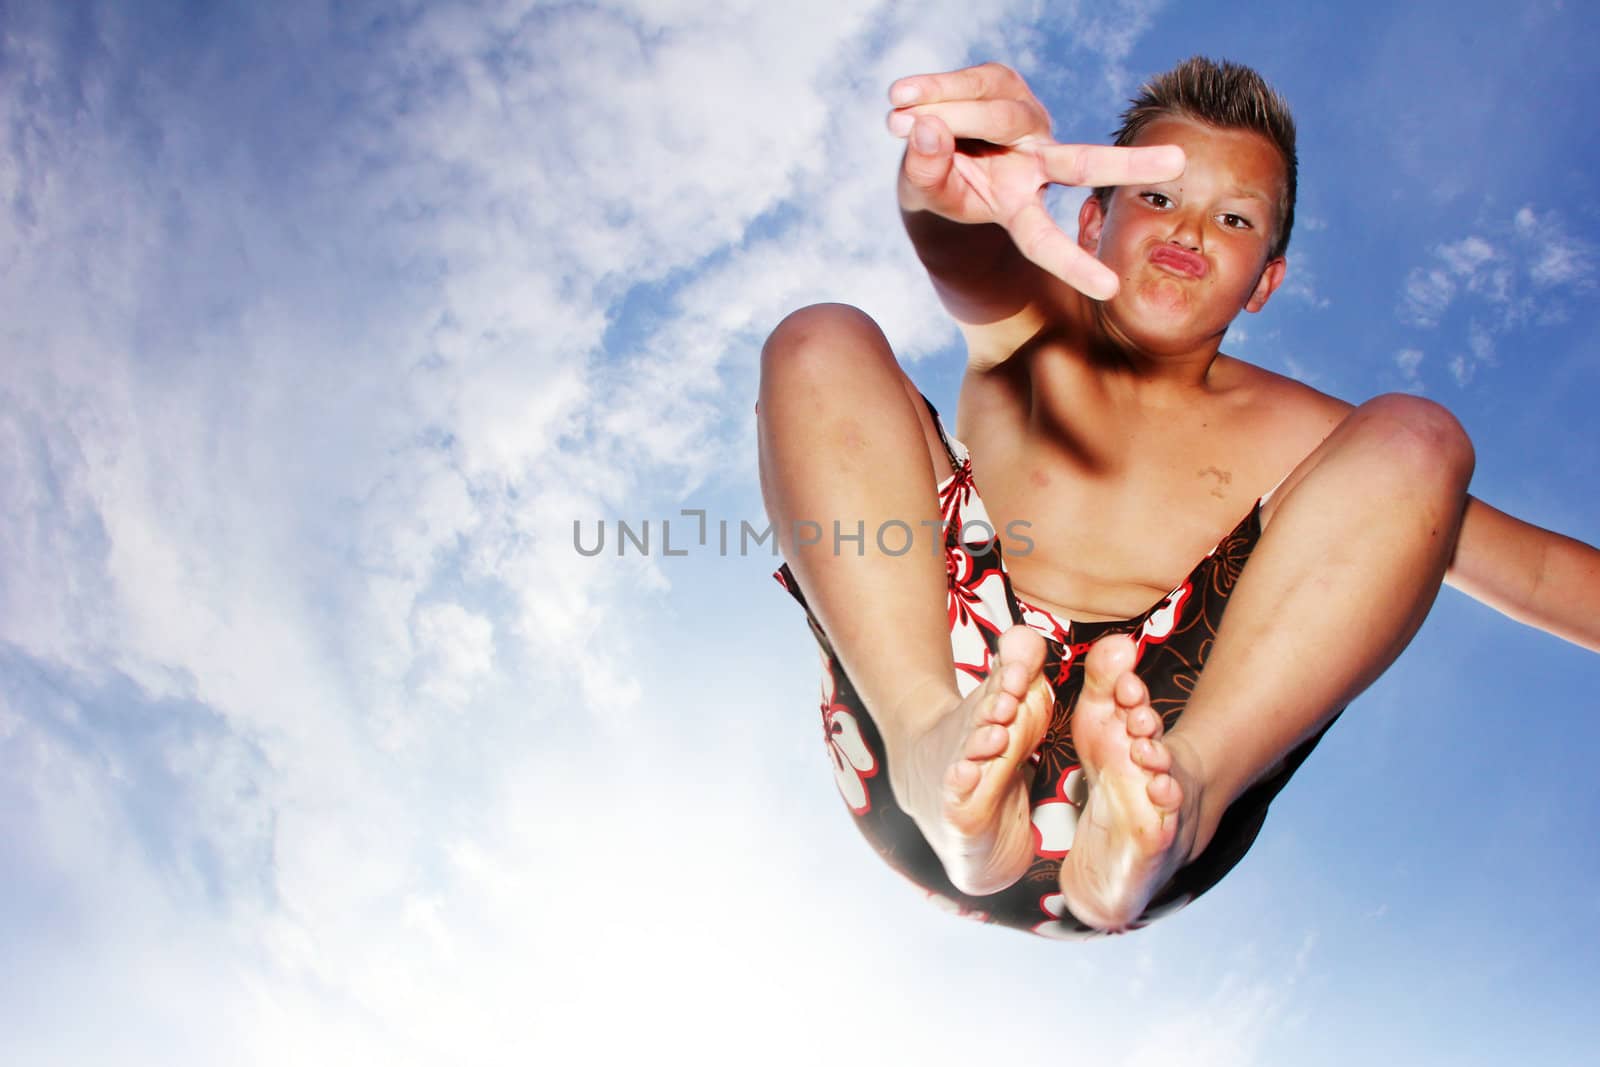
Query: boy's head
1226, 95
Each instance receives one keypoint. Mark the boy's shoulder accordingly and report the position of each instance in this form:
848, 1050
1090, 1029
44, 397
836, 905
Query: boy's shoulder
1229, 371
1282, 419
1256, 385
1252, 414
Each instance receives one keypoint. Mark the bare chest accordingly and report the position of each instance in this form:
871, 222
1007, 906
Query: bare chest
1115, 514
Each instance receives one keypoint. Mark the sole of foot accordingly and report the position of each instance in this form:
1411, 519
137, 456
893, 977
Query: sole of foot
980, 824
1126, 845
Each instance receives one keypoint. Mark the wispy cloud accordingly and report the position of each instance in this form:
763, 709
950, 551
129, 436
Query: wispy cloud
1228, 1026
1524, 272
1409, 361
1470, 265
310, 367
1559, 257
1428, 294
1300, 282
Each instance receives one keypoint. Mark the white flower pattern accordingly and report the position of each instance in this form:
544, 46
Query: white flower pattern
1055, 821
1164, 619
981, 605
853, 760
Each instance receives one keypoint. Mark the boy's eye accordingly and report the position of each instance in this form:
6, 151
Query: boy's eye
1157, 200
1235, 222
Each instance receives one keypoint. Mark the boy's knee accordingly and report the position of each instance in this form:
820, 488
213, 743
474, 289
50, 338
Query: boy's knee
823, 337
1422, 434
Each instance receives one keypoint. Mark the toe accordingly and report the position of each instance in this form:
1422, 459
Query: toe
986, 742
1013, 679
1019, 660
1111, 658
1001, 708
1021, 645
1143, 722
1130, 691
962, 778
1164, 792
1149, 755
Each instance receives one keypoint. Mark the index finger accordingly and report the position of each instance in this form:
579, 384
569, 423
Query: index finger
987, 81
1097, 165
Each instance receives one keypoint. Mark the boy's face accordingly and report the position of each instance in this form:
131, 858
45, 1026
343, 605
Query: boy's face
1193, 251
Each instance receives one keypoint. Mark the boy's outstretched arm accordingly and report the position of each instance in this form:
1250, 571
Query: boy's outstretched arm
1531, 574
979, 156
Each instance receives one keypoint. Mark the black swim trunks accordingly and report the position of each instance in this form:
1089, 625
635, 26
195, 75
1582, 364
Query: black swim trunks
1174, 637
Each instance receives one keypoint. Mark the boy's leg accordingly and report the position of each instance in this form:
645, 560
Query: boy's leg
1355, 546
845, 438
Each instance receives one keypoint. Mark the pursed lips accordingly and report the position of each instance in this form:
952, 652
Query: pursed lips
1179, 261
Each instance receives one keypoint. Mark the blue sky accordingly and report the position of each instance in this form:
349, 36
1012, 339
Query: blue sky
320, 743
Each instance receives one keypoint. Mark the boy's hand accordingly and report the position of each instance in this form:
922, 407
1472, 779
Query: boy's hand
979, 150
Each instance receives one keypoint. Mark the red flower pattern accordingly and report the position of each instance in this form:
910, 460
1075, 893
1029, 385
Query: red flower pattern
1174, 638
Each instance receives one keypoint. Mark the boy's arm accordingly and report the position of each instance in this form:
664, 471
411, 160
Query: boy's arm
1531, 574
974, 208
995, 295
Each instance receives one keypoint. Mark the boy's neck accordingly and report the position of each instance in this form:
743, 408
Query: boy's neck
1150, 375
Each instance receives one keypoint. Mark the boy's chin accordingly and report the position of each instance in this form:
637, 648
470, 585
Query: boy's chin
1156, 326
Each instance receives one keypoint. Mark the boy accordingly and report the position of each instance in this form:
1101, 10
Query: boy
1034, 737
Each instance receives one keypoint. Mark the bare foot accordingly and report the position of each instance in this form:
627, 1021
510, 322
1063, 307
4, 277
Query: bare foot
1129, 840
970, 798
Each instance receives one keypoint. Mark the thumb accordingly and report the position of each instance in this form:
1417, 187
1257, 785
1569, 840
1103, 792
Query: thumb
930, 151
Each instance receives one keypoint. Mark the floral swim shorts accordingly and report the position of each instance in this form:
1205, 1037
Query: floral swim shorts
1174, 637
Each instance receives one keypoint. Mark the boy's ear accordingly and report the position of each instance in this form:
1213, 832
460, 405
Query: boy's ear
1091, 217
1267, 284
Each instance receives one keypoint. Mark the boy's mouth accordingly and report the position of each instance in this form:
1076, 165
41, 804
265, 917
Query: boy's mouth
1179, 260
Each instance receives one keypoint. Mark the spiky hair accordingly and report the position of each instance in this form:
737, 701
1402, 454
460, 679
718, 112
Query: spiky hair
1229, 96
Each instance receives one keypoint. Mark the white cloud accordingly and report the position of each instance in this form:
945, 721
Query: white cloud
1466, 256
1528, 272
1558, 257
1480, 343
1427, 295
1300, 282
1409, 363
1470, 265
456, 652
283, 506
306, 383
1538, 248
1109, 32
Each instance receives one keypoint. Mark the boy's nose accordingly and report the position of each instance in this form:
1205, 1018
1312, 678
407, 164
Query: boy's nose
1186, 231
